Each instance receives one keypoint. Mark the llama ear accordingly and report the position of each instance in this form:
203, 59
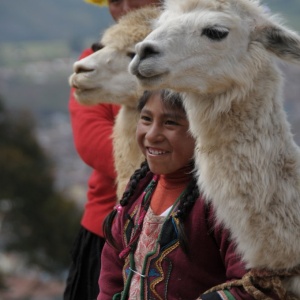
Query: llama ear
282, 42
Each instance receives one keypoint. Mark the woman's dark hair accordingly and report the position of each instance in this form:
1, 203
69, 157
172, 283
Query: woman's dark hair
187, 200
169, 98
186, 204
133, 183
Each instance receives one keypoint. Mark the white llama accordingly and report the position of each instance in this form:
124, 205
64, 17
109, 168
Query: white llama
221, 55
103, 77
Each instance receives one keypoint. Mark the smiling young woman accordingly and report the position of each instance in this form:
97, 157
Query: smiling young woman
163, 239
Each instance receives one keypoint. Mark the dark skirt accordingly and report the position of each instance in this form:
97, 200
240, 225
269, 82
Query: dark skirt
82, 281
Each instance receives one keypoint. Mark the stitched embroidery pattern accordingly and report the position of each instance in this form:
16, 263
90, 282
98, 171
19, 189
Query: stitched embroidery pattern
147, 245
152, 271
225, 295
167, 280
139, 218
132, 235
126, 226
160, 269
125, 270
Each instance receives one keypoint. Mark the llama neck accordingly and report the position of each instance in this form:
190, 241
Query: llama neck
242, 137
239, 116
249, 167
127, 154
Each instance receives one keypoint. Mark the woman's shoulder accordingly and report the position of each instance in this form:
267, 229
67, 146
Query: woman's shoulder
203, 205
203, 211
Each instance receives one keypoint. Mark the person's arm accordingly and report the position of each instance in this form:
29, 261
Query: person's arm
235, 268
111, 277
92, 129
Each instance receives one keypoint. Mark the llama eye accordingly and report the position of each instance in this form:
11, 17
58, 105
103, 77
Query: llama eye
215, 34
130, 54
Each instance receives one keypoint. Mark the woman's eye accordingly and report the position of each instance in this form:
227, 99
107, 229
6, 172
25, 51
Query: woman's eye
145, 118
171, 122
114, 1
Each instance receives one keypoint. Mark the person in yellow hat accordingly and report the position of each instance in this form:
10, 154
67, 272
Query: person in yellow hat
98, 2
119, 8
92, 130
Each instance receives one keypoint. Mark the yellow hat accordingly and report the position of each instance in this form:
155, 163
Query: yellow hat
98, 2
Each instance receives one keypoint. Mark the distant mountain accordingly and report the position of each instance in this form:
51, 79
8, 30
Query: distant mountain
36, 20
30, 20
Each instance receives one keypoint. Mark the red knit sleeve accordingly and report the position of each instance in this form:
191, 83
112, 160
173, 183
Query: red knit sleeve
111, 278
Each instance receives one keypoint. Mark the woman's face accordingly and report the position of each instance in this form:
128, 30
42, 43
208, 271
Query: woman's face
162, 135
118, 8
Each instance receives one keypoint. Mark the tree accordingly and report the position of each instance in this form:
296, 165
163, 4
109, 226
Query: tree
37, 221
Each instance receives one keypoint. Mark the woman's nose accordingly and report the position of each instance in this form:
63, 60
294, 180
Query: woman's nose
155, 133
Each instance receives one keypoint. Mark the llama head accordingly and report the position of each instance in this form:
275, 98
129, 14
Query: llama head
211, 46
103, 76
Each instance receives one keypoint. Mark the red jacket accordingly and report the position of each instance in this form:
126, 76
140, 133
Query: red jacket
92, 129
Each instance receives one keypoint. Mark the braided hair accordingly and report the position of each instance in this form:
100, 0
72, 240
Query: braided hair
133, 183
186, 204
168, 97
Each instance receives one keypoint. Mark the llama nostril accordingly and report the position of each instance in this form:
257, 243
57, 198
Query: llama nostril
82, 69
148, 51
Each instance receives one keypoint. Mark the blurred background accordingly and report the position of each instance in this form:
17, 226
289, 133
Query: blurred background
42, 180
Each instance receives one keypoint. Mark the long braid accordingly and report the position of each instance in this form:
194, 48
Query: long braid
186, 204
133, 183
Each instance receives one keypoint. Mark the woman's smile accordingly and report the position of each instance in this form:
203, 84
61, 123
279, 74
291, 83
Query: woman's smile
155, 151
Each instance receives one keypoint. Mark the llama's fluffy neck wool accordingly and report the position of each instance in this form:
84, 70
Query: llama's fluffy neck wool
127, 154
249, 169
